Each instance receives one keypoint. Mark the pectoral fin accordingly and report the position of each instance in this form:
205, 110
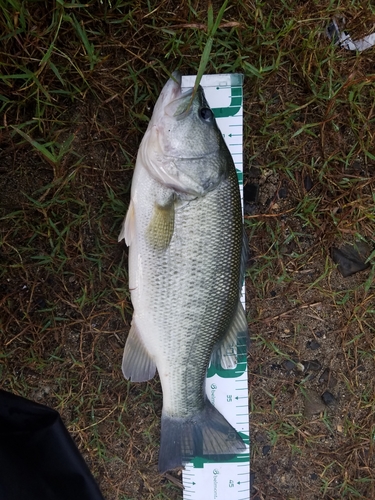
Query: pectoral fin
161, 226
224, 354
137, 364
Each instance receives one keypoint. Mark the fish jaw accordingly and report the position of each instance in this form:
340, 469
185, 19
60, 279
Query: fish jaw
170, 92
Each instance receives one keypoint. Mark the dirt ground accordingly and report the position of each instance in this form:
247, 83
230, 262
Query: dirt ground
65, 308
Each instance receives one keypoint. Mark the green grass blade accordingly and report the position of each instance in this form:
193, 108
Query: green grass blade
211, 31
39, 147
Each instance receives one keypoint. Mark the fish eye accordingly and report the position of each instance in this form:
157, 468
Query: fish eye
206, 114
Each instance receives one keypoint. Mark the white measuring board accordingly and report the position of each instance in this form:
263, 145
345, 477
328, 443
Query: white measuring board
227, 390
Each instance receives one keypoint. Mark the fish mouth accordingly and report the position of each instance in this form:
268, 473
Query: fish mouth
173, 102
171, 92
176, 84
172, 89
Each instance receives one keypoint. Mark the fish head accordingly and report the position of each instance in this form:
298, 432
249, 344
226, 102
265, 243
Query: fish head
183, 147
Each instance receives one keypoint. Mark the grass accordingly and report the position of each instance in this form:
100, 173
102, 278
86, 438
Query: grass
77, 85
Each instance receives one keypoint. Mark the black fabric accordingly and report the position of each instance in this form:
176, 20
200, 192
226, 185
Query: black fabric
38, 458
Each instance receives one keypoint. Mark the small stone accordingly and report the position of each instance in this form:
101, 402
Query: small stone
288, 364
313, 403
339, 428
265, 450
328, 398
312, 344
324, 377
313, 365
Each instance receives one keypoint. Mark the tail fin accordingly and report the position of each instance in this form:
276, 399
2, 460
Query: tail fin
207, 434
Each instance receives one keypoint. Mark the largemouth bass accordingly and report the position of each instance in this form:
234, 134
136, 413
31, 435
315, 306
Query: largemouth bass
186, 259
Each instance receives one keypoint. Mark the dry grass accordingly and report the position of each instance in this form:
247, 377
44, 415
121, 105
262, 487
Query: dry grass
77, 86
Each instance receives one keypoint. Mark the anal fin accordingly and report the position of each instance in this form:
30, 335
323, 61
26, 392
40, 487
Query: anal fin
137, 365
